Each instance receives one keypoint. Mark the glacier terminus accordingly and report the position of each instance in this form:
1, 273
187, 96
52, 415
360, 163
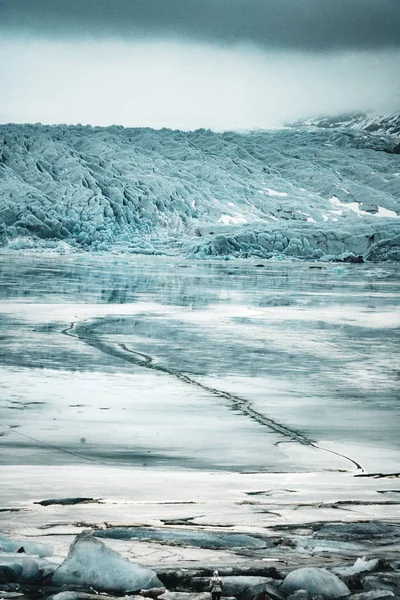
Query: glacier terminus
314, 191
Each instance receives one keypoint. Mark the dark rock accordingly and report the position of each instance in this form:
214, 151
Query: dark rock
271, 593
152, 592
68, 501
389, 581
354, 259
286, 542
7, 575
10, 587
353, 582
275, 593
16, 569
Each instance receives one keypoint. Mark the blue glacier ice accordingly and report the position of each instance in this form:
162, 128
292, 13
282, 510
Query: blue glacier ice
312, 193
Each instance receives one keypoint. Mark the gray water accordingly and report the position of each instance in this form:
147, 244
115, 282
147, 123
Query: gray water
219, 365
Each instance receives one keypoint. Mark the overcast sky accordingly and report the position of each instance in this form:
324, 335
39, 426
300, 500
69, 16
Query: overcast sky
196, 63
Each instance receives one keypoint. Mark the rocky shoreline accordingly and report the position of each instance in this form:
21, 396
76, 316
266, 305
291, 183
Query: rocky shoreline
315, 531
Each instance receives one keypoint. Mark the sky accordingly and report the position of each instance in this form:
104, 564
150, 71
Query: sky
185, 64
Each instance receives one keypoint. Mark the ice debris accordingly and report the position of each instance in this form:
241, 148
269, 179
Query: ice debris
9, 545
362, 565
315, 581
91, 563
21, 568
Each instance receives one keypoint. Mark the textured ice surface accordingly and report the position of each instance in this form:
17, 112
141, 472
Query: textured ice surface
103, 360
91, 563
263, 194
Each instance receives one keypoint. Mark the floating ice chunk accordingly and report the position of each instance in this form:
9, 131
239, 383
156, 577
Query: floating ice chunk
40, 550
315, 581
25, 569
360, 566
378, 273
92, 563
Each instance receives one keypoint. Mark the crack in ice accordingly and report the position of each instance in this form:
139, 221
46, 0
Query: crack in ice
237, 402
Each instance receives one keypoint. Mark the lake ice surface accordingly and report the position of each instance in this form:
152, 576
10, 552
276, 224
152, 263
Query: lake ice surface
219, 366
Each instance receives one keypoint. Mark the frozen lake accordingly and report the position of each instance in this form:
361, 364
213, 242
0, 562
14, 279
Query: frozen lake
217, 366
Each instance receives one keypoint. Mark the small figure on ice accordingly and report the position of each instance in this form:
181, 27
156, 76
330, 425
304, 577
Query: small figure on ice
216, 586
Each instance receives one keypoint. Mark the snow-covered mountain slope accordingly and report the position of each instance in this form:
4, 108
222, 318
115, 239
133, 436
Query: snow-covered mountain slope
379, 124
290, 193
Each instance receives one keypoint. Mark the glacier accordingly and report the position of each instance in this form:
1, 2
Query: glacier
305, 192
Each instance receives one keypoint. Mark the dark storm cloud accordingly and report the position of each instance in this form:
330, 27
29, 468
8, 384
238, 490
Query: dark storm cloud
290, 24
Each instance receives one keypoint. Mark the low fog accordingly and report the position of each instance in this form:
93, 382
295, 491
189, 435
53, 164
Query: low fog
164, 83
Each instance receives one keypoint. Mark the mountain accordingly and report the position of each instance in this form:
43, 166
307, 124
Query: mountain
306, 192
373, 123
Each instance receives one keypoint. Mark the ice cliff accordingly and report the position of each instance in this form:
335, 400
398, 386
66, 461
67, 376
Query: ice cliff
295, 193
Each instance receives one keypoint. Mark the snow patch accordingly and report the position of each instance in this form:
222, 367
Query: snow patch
230, 220
274, 192
385, 212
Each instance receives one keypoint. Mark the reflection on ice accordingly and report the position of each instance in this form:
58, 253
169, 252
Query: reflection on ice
196, 365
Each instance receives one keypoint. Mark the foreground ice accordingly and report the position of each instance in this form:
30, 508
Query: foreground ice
315, 581
203, 194
91, 563
24, 568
